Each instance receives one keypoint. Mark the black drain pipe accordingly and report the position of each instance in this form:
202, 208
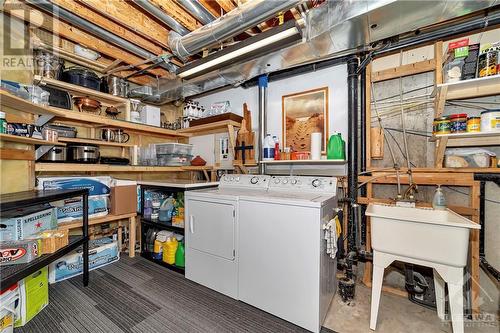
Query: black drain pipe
347, 284
363, 120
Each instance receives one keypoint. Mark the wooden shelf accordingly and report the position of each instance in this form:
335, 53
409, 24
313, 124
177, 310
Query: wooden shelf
470, 139
31, 141
480, 87
305, 162
96, 142
77, 91
94, 221
403, 171
14, 102
81, 167
212, 128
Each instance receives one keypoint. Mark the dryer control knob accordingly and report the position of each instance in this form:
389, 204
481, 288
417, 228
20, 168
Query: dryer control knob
294, 181
285, 181
316, 182
276, 180
254, 180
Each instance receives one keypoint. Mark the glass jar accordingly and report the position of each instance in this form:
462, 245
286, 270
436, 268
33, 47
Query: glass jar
441, 125
474, 124
458, 123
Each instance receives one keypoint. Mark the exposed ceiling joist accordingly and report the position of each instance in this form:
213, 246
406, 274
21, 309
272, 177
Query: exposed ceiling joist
211, 6
101, 21
45, 21
177, 12
227, 5
127, 15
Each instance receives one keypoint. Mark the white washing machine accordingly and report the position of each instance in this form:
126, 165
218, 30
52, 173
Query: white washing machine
212, 230
283, 265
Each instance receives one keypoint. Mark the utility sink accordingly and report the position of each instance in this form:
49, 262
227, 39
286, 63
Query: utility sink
439, 236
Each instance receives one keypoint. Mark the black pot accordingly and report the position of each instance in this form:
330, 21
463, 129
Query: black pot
82, 77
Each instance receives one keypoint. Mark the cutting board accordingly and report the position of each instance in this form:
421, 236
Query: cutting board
246, 135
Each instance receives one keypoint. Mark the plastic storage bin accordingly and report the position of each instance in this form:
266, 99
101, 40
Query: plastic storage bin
174, 148
174, 160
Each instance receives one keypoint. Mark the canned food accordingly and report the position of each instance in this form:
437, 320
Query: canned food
474, 124
458, 123
441, 125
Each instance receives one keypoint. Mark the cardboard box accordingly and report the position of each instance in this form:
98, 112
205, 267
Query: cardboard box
23, 222
52, 240
95, 185
34, 296
103, 251
123, 197
71, 209
19, 252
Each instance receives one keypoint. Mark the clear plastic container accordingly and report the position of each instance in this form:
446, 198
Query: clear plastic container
174, 159
174, 148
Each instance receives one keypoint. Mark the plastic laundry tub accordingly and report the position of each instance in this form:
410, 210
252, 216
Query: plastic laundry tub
439, 236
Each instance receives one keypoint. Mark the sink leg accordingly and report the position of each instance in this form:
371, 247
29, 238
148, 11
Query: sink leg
456, 298
378, 277
440, 298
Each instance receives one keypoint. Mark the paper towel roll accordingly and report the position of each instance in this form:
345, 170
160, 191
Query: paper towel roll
316, 146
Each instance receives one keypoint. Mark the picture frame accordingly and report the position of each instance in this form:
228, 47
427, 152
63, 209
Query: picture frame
304, 113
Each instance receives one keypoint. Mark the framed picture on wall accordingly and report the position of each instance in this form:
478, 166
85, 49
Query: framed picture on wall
305, 113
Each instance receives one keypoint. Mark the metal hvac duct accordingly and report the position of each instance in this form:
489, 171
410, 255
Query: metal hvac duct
333, 30
162, 16
197, 10
233, 23
98, 31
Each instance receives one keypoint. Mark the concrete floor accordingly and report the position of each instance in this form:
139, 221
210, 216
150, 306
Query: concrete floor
396, 314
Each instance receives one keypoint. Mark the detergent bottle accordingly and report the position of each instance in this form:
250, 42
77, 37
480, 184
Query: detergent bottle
169, 249
179, 255
268, 148
166, 209
336, 147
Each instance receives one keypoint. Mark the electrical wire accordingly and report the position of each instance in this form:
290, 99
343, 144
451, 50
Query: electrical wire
465, 193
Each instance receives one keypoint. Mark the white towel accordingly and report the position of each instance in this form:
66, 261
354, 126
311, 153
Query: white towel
331, 237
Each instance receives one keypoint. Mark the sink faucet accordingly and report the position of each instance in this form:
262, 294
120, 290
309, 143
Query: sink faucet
408, 195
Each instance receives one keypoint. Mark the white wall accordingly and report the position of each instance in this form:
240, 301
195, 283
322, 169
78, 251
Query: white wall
335, 78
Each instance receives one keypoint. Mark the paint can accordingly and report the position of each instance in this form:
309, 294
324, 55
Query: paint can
490, 120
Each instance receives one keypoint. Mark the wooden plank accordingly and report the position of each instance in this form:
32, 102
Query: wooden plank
23, 139
464, 171
93, 221
210, 128
390, 290
45, 21
438, 62
96, 142
367, 273
132, 236
440, 150
78, 167
458, 179
124, 13
440, 101
177, 13
474, 248
103, 22
209, 5
404, 70
226, 5
17, 154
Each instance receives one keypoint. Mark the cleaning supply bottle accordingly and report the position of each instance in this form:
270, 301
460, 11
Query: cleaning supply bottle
166, 209
268, 148
180, 255
276, 147
439, 201
169, 249
336, 147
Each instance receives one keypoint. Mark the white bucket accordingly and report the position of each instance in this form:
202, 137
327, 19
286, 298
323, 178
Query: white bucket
490, 121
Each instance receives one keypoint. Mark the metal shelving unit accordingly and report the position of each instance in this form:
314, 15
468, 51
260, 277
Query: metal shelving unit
11, 274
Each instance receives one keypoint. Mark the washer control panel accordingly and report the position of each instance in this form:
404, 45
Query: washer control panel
247, 181
303, 183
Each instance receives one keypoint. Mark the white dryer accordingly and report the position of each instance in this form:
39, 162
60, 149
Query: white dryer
212, 230
283, 265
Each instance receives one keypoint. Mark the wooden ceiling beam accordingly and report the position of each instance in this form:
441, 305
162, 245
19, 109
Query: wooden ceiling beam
226, 5
42, 20
99, 20
124, 13
177, 13
212, 6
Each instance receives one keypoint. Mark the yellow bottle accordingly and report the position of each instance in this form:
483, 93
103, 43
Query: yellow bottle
169, 249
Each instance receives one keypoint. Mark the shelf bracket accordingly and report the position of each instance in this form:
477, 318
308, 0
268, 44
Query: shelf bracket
43, 119
42, 150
